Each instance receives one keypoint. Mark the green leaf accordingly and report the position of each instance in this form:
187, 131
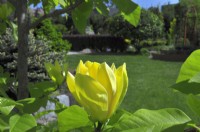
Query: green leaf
40, 114
134, 17
63, 3
14, 30
5, 10
187, 87
194, 103
55, 72
155, 120
32, 105
195, 78
41, 89
22, 123
81, 14
141, 129
129, 10
56, 2
71, 118
117, 116
3, 123
102, 8
190, 67
125, 6
48, 5
7, 105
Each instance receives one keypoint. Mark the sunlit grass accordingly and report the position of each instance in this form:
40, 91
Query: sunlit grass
149, 81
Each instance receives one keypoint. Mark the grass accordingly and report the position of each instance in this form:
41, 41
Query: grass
149, 81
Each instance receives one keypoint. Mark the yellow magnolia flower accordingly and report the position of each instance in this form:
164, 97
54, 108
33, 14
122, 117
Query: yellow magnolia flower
98, 88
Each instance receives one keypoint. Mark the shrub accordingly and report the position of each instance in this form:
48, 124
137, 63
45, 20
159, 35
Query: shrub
180, 43
160, 42
48, 31
150, 42
144, 51
39, 52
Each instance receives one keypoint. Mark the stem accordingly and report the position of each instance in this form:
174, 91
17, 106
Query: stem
98, 128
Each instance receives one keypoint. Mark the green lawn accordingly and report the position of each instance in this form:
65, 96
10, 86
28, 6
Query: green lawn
149, 81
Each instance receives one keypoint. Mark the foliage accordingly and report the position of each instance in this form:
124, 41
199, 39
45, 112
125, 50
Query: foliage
168, 12
188, 82
150, 42
188, 24
182, 43
18, 115
150, 26
75, 118
80, 12
6, 10
144, 51
171, 33
39, 52
98, 23
48, 31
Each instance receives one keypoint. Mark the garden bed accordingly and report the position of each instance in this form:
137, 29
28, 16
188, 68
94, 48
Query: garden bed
170, 55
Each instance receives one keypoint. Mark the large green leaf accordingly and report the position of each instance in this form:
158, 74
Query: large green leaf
81, 14
154, 120
129, 10
22, 123
72, 118
125, 6
194, 103
134, 17
190, 67
195, 78
101, 7
7, 105
187, 87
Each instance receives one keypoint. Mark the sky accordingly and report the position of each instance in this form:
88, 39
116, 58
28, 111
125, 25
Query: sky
148, 3
155, 3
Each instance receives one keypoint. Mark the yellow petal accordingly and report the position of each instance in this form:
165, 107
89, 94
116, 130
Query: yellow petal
71, 85
122, 85
113, 67
93, 70
88, 64
93, 96
125, 83
107, 78
82, 68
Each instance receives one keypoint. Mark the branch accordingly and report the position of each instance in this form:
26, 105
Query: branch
55, 14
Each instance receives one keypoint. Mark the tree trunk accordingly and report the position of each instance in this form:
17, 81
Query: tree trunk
22, 64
